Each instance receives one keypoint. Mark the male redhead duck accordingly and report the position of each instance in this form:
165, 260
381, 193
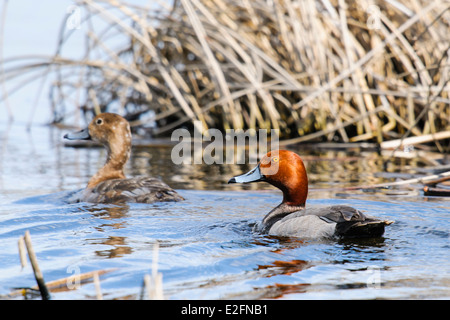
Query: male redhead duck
109, 184
285, 170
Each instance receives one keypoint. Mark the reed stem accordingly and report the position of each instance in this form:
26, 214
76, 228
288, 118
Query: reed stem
37, 271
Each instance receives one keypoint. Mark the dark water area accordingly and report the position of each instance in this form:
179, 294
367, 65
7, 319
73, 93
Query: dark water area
207, 249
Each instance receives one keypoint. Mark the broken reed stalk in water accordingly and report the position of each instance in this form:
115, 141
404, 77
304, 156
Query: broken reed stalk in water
22, 252
437, 192
68, 283
153, 283
37, 271
308, 68
424, 180
25, 242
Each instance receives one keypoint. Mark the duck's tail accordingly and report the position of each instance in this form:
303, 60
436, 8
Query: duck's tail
362, 229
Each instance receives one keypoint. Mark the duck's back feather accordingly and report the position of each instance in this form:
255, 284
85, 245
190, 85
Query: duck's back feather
137, 189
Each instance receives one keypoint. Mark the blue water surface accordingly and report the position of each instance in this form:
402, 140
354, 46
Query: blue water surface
207, 249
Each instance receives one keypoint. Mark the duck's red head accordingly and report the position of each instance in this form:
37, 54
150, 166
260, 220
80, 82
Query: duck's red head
283, 169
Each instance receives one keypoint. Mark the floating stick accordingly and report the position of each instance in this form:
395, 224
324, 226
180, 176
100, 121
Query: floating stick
439, 192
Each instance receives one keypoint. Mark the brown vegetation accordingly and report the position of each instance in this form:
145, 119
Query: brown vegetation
332, 69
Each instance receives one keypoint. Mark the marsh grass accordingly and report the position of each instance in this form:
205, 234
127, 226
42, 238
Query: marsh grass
333, 70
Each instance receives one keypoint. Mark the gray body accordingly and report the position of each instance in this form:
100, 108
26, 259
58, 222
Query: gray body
322, 222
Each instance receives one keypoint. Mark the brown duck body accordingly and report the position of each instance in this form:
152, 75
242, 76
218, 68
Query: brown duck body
136, 189
109, 184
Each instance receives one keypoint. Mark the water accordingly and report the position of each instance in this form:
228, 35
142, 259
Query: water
207, 249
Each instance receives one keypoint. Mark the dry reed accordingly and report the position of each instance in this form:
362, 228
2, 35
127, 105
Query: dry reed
332, 69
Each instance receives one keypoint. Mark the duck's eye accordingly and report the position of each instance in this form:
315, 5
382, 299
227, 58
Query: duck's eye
99, 121
275, 159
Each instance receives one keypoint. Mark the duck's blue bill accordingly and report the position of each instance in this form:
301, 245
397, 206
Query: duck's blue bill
79, 135
253, 175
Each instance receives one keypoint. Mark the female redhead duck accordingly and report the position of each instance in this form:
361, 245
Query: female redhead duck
285, 170
109, 184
